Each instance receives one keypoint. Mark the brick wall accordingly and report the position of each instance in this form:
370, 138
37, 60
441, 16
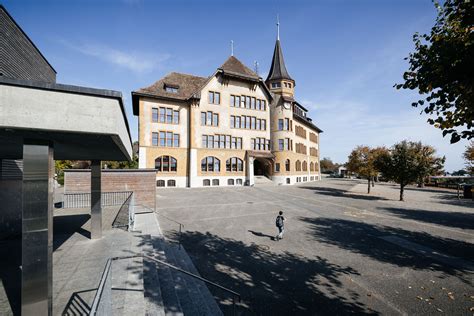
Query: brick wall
140, 181
19, 58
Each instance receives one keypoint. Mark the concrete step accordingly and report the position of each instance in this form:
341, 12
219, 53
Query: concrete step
263, 181
199, 289
154, 304
170, 298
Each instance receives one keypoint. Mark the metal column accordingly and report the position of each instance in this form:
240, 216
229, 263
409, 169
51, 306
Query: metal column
37, 229
96, 203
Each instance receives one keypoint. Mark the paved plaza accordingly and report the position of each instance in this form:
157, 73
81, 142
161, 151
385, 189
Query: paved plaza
343, 251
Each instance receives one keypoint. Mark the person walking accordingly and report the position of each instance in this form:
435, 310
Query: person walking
280, 224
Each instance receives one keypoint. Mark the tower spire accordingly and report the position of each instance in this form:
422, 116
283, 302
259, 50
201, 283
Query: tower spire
231, 48
278, 27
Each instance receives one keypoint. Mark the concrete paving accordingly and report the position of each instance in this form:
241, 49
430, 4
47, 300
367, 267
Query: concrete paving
343, 251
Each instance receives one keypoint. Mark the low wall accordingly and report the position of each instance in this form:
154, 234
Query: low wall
140, 181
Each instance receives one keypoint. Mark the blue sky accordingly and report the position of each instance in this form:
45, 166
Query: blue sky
345, 55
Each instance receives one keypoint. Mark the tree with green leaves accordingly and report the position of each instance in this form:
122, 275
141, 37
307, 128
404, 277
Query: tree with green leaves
362, 161
441, 69
408, 162
327, 166
469, 158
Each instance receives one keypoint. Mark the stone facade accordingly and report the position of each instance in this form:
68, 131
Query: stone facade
255, 149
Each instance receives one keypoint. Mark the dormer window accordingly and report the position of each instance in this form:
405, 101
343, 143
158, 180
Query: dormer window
276, 85
171, 88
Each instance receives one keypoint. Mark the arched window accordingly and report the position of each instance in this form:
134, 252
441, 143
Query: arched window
160, 183
239, 182
298, 165
234, 164
287, 165
311, 166
166, 164
171, 183
230, 181
305, 166
215, 182
210, 164
206, 182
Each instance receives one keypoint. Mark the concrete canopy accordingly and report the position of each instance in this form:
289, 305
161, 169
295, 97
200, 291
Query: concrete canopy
81, 123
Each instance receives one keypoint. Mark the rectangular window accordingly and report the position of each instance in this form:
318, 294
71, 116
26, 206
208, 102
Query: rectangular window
281, 144
216, 141
232, 100
252, 143
162, 139
242, 104
259, 104
239, 143
259, 123
215, 119
169, 139
210, 142
232, 121
237, 122
154, 114
221, 141
154, 139
263, 105
280, 124
252, 122
253, 104
247, 102
204, 141
176, 117
162, 115
237, 101
264, 125
217, 98
211, 97
268, 145
247, 122
203, 118
287, 124
227, 141
209, 118
169, 116
277, 167
234, 143
176, 140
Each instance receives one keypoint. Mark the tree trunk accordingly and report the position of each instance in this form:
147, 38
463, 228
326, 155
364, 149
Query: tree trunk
402, 186
373, 181
368, 186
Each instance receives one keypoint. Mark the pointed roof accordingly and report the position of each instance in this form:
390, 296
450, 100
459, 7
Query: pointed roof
233, 66
278, 69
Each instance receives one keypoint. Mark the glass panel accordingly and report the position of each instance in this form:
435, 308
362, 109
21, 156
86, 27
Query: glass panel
210, 143
263, 105
166, 163
232, 100
203, 165
230, 182
162, 115
210, 164
252, 122
237, 122
176, 140
154, 139
209, 118
232, 121
228, 165
206, 182
204, 141
280, 144
240, 165
253, 104
242, 102
215, 182
280, 124
162, 139
203, 118
234, 164
216, 141
158, 164
173, 165
154, 114
160, 183
176, 117
248, 102
221, 141
169, 139
264, 125
237, 101
169, 116
217, 97
252, 143
247, 122
211, 97
239, 143
239, 181
259, 104
217, 164
227, 141
171, 183
216, 119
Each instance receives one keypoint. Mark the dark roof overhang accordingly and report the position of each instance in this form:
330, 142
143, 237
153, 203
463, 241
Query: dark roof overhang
136, 98
307, 122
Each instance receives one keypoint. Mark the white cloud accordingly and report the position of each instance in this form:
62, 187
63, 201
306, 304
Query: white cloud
138, 62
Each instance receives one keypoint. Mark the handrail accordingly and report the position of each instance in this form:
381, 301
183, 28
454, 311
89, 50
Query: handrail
128, 200
100, 289
181, 225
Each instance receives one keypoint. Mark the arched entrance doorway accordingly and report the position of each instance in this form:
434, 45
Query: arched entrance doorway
262, 167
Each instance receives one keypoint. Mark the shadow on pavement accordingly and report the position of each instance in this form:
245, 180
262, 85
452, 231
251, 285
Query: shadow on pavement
341, 193
363, 238
449, 219
259, 234
64, 226
271, 283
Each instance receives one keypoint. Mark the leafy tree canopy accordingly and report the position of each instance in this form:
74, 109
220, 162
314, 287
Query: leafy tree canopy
469, 158
442, 70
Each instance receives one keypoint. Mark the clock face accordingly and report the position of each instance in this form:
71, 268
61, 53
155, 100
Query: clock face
287, 105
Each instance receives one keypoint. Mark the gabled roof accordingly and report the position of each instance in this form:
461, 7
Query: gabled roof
278, 69
234, 67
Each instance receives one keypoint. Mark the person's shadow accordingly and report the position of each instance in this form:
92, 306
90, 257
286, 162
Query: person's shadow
259, 234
